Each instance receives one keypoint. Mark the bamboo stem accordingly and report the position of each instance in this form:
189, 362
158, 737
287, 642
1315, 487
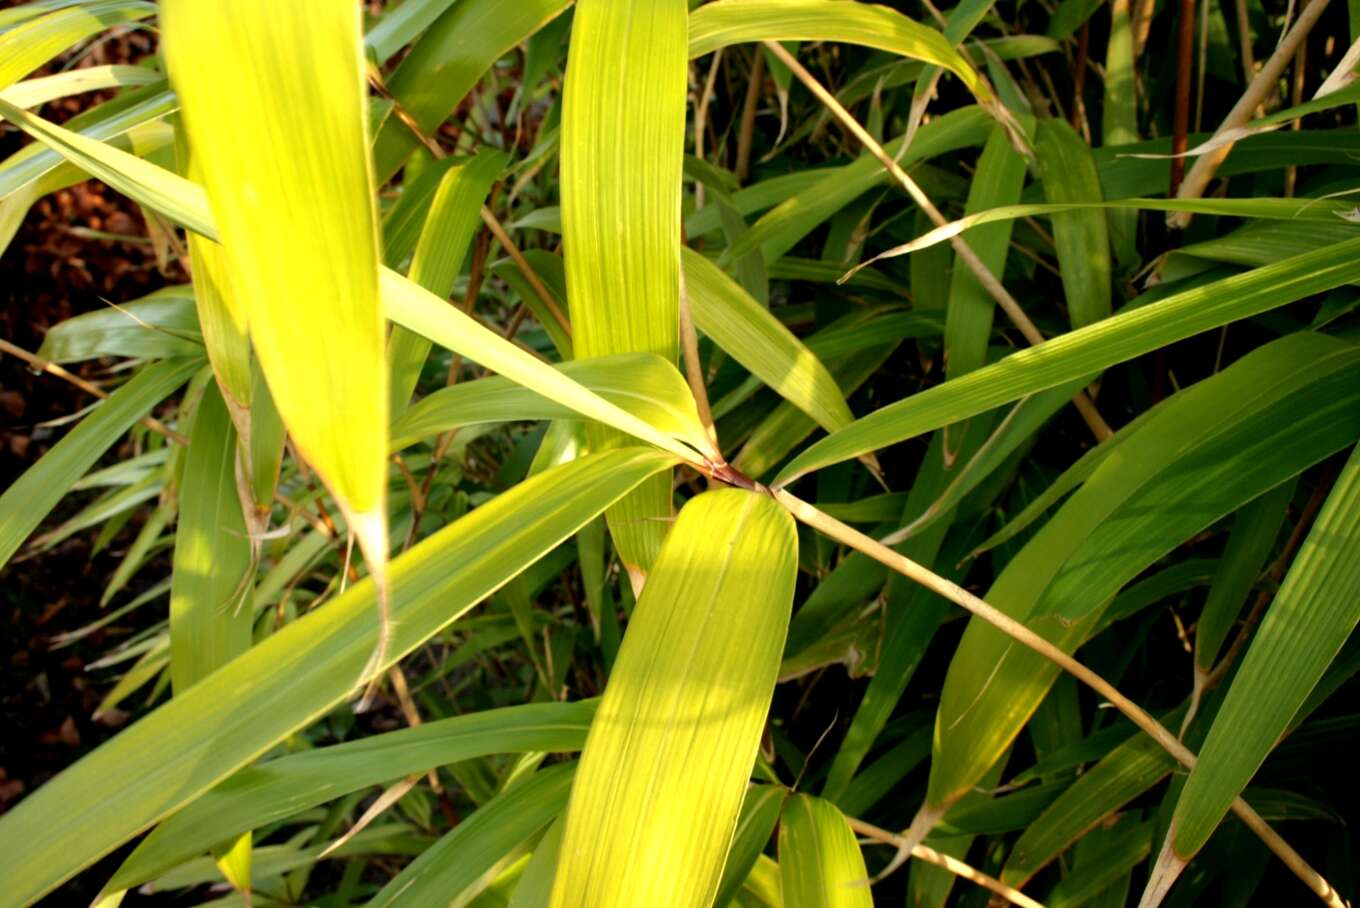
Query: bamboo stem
52, 368
952, 864
1200, 175
1023, 635
1180, 119
1099, 428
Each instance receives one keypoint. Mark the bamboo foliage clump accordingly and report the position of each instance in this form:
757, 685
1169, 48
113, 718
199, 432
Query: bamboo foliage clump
547, 378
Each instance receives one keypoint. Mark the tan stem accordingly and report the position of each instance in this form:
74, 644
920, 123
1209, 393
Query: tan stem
540, 289
701, 121
953, 865
746, 132
488, 217
1099, 428
1197, 180
1026, 637
694, 372
52, 368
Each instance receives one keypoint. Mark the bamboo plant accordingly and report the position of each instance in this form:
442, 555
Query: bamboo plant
598, 391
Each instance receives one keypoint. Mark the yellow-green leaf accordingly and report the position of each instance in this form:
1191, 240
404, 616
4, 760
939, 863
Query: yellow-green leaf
404, 302
31, 44
623, 136
666, 764
210, 620
275, 105
819, 859
716, 25
752, 336
1314, 613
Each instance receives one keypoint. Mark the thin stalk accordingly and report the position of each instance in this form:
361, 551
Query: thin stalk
1180, 118
701, 121
1197, 180
52, 368
746, 131
488, 217
1023, 635
1291, 173
1244, 44
694, 371
1099, 428
539, 288
1079, 121
953, 865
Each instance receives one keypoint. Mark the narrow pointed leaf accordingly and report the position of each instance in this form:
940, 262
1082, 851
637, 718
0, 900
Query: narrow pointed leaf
1087, 351
446, 63
272, 791
275, 105
694, 676
29, 499
725, 22
819, 858
640, 383
623, 133
1210, 450
161, 325
998, 180
760, 342
1312, 616
1249, 545
1082, 237
447, 869
210, 615
198, 739
451, 224
29, 45
404, 302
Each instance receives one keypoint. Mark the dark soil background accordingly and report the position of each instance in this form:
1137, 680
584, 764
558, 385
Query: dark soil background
50, 272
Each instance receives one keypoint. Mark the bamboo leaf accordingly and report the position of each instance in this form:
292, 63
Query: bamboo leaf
1131, 768
760, 812
1102, 858
753, 337
780, 229
450, 225
446, 63
639, 383
132, 112
28, 45
36, 92
275, 106
259, 795
1213, 448
160, 325
1249, 544
210, 618
222, 316
446, 870
969, 314
1087, 351
1313, 614
623, 131
725, 22
1307, 212
1082, 236
819, 858
405, 302
535, 885
399, 26
29, 498
222, 723
694, 676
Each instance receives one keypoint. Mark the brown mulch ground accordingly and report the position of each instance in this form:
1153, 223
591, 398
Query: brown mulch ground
49, 273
